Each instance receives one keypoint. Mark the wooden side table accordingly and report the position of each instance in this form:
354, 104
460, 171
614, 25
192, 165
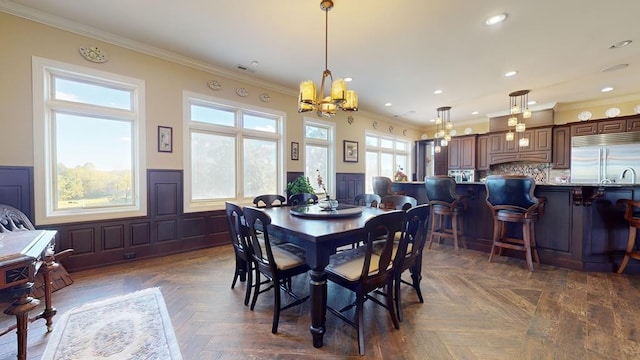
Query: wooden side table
22, 254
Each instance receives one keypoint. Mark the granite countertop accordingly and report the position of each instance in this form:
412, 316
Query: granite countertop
612, 185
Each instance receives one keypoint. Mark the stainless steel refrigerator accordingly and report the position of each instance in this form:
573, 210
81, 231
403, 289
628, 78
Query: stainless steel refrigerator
603, 158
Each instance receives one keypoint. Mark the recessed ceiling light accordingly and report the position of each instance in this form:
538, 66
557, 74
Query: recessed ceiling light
615, 67
510, 73
347, 79
475, 113
254, 63
432, 120
496, 19
607, 89
620, 44
387, 104
437, 92
532, 102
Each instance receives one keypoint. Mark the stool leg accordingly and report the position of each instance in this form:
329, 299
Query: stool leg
630, 244
434, 219
534, 248
526, 234
461, 227
454, 230
496, 234
503, 236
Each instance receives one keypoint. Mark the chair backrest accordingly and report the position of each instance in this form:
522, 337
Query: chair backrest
398, 202
414, 233
441, 188
238, 231
12, 219
302, 199
368, 200
258, 241
382, 186
269, 200
511, 190
380, 227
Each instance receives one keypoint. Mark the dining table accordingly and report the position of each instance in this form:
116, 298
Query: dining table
320, 232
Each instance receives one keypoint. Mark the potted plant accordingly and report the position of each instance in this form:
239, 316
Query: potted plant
300, 185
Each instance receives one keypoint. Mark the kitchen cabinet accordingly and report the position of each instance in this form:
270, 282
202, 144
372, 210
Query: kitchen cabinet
482, 152
538, 150
441, 161
633, 124
462, 152
600, 127
561, 147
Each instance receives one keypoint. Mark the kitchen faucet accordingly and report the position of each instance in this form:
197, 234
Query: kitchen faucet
633, 174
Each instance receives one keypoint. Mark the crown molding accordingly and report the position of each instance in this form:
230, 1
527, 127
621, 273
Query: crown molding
88, 31
601, 102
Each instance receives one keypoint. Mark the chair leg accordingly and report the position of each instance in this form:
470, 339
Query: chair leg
396, 291
360, 322
416, 276
240, 265
247, 294
391, 307
534, 247
526, 234
276, 304
496, 234
256, 291
454, 230
630, 245
434, 219
503, 236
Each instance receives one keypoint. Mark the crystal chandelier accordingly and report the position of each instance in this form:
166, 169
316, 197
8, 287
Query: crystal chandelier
443, 128
339, 97
518, 105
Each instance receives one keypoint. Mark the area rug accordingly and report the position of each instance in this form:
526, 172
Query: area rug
135, 326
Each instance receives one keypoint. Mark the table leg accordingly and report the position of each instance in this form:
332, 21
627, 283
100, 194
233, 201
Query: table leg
20, 308
318, 292
49, 311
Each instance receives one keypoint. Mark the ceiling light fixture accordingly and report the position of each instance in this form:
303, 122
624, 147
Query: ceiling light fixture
510, 73
443, 123
339, 97
606, 89
620, 44
518, 105
496, 19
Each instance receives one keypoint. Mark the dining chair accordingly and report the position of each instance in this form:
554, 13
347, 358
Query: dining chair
397, 202
368, 200
302, 199
361, 271
411, 245
382, 186
239, 233
269, 200
277, 263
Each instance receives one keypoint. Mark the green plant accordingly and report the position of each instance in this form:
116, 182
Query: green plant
300, 185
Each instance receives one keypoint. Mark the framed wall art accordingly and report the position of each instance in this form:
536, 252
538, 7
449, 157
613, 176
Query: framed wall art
350, 151
165, 139
295, 151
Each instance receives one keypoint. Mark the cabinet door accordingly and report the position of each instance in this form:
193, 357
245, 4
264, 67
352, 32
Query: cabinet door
496, 143
440, 161
483, 152
527, 134
454, 154
584, 129
561, 147
542, 139
612, 126
633, 124
468, 152
512, 145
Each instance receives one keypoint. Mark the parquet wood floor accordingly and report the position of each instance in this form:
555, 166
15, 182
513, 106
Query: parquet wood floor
473, 310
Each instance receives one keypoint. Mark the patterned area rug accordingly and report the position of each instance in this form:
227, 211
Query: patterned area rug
134, 326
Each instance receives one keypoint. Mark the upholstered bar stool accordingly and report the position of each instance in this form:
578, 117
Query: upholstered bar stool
632, 215
446, 207
511, 200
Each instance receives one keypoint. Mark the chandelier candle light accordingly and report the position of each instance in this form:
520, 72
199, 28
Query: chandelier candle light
339, 97
518, 105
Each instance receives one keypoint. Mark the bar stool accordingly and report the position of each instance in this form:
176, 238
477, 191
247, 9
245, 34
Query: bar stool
445, 205
511, 200
632, 215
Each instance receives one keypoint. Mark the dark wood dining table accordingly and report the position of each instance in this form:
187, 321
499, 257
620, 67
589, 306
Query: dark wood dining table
320, 237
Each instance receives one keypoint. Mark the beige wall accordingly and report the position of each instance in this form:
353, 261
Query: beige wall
164, 81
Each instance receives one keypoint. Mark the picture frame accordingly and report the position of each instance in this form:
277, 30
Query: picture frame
350, 149
165, 139
295, 150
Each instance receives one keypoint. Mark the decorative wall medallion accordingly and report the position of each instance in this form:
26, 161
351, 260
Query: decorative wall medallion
214, 85
375, 124
404, 132
612, 112
264, 97
584, 116
390, 128
636, 109
350, 119
467, 131
242, 92
94, 54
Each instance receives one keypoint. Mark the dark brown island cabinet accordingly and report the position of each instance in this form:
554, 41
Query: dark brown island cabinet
581, 229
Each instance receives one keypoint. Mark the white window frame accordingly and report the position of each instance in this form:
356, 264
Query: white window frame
394, 151
330, 144
189, 98
44, 171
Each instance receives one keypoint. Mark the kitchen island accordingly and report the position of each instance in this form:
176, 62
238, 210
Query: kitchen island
581, 229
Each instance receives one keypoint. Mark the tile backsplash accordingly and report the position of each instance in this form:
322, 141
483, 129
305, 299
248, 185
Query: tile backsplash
541, 172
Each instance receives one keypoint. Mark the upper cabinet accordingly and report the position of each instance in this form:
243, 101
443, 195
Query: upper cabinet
562, 147
539, 148
607, 126
462, 152
482, 152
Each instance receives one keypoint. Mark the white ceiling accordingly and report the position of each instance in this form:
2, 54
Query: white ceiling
397, 51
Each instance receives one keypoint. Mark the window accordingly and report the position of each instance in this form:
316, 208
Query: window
384, 156
319, 145
89, 143
232, 152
